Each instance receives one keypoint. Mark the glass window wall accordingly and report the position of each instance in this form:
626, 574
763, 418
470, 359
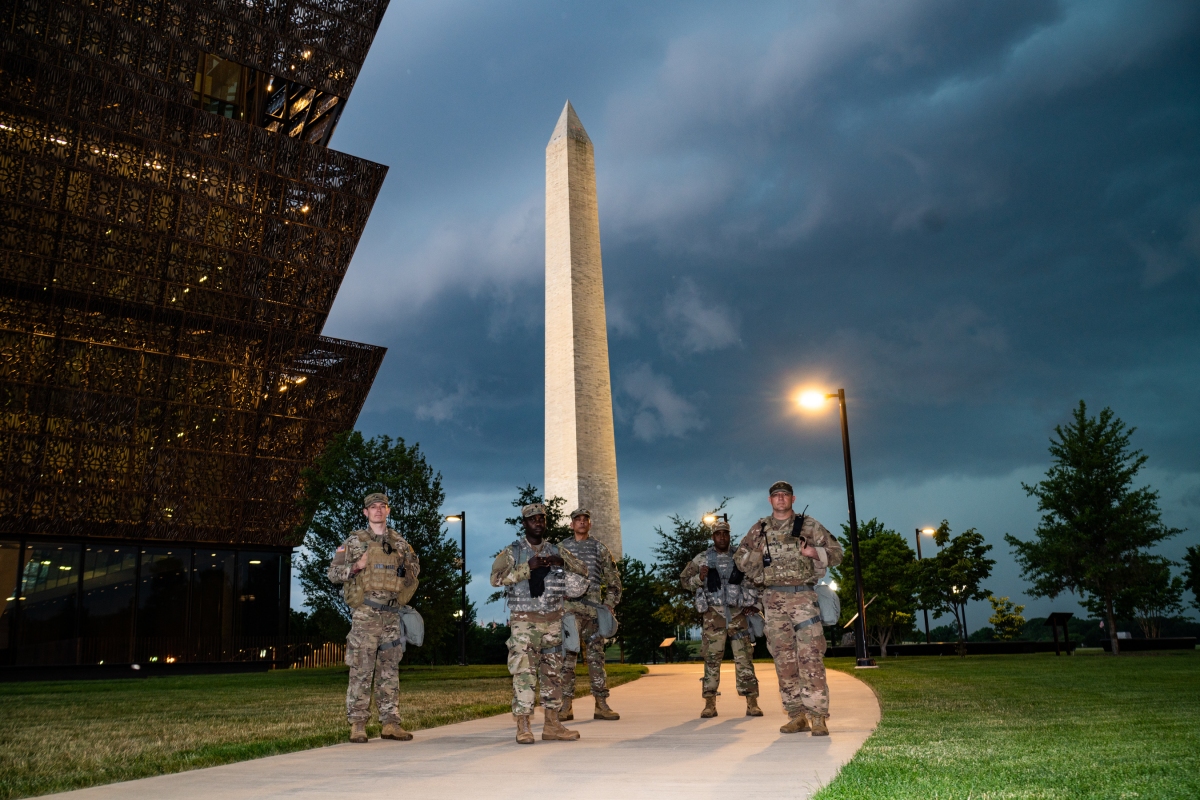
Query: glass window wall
109, 575
10, 553
163, 604
212, 605
50, 593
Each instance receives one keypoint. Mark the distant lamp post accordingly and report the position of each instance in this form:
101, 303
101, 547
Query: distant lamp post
461, 517
925, 611
815, 400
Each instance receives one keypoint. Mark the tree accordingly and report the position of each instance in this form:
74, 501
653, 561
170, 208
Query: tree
1095, 525
672, 553
952, 578
350, 468
1191, 573
641, 630
1154, 596
889, 574
1007, 620
558, 527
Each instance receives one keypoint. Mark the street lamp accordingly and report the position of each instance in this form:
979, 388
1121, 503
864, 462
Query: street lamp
462, 613
712, 517
814, 400
927, 532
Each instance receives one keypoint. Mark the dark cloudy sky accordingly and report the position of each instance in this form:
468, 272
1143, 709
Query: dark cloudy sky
970, 215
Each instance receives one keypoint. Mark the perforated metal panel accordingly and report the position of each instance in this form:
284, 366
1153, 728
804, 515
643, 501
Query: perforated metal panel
165, 271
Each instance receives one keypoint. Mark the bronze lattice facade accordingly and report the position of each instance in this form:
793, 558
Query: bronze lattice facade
173, 232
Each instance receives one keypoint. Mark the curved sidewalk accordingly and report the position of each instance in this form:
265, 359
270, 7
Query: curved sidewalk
659, 748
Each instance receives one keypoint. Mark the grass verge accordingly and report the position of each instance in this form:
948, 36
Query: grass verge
56, 736
1036, 726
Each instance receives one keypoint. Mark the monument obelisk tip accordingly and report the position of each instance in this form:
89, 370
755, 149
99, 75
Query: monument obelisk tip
569, 125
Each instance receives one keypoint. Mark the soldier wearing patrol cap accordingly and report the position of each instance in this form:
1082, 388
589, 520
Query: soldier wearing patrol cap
724, 596
789, 554
536, 577
603, 594
378, 571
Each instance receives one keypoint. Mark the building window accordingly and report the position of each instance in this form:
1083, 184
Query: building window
163, 604
228, 89
49, 591
212, 605
109, 575
259, 590
10, 553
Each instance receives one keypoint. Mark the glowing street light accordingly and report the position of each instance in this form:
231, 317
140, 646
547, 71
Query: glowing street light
814, 400
927, 532
711, 518
461, 517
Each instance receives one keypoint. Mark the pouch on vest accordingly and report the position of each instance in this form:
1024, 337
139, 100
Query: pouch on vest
606, 623
352, 592
830, 604
701, 600
570, 633
537, 581
413, 624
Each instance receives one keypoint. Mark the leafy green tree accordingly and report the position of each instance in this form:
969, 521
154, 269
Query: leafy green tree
953, 577
1153, 597
641, 630
334, 487
1095, 525
558, 527
889, 574
672, 553
1007, 620
1191, 573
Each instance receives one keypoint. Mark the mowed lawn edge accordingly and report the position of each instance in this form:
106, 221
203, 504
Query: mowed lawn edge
62, 735
1029, 726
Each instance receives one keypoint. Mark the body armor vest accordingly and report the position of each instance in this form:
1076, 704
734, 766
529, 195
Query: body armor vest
385, 572
524, 596
787, 567
719, 592
587, 551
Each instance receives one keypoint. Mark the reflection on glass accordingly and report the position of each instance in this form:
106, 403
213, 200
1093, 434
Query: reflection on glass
162, 604
108, 586
259, 588
218, 86
50, 587
9, 553
212, 605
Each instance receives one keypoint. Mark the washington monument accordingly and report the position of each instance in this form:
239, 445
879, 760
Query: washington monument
581, 453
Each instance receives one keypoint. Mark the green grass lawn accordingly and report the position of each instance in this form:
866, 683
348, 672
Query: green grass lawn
56, 736
1032, 726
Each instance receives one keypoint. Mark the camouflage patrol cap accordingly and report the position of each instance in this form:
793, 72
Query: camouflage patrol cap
581, 512
374, 497
532, 510
781, 486
720, 525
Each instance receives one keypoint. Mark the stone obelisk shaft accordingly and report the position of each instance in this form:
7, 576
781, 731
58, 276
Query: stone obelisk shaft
581, 452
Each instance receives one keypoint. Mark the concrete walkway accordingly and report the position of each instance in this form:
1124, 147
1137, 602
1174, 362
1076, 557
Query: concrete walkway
659, 748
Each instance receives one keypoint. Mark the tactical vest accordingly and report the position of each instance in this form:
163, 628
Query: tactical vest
385, 572
787, 567
588, 551
554, 583
731, 596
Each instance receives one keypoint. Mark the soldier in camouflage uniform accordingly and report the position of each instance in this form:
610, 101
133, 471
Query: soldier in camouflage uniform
789, 554
536, 576
602, 575
376, 642
724, 597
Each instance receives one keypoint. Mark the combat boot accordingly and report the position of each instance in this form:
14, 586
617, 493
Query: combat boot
568, 710
524, 732
358, 732
752, 709
553, 730
603, 711
710, 708
818, 726
798, 723
392, 730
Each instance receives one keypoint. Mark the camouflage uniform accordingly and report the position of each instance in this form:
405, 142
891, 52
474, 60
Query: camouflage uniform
724, 617
375, 643
602, 574
535, 647
793, 619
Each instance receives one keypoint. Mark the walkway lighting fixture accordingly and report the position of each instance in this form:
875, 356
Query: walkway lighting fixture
461, 517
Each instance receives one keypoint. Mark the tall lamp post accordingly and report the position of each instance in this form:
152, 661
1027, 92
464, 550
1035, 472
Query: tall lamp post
461, 517
927, 532
816, 400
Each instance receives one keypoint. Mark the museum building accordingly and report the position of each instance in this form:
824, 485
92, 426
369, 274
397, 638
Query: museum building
173, 232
